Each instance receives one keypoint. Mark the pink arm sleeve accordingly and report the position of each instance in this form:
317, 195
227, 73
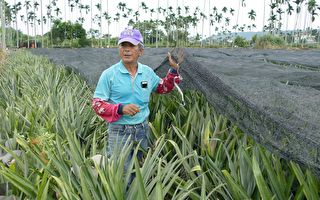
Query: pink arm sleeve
106, 111
166, 84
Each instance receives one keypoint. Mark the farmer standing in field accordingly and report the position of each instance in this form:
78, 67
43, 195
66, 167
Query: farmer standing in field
123, 92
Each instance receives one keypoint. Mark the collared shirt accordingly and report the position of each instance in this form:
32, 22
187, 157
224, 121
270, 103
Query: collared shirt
117, 86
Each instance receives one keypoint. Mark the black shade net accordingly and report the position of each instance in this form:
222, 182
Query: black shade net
272, 95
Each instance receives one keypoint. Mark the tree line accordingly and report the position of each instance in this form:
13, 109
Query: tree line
166, 26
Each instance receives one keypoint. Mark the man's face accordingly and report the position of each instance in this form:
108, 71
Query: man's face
129, 53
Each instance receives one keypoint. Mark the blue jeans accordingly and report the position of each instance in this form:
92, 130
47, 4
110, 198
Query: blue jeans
118, 135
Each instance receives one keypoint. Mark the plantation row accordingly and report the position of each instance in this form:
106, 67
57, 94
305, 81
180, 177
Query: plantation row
51, 131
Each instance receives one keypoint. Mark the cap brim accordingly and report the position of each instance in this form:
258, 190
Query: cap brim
131, 40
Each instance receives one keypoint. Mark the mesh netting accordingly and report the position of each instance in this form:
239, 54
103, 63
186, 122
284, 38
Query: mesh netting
267, 94
273, 95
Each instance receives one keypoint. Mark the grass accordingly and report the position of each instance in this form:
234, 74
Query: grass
196, 153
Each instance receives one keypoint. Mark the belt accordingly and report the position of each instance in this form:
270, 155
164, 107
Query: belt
140, 125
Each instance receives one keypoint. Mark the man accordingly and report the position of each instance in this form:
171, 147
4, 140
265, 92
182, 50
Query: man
123, 92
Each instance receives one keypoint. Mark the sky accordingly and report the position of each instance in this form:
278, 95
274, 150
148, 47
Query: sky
204, 5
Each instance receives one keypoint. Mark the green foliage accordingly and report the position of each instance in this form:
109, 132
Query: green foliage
148, 30
269, 41
8, 14
11, 37
62, 31
241, 41
195, 153
254, 38
247, 169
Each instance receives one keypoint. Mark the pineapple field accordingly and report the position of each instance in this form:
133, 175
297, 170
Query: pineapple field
50, 135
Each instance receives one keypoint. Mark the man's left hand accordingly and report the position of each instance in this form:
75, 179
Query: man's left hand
172, 63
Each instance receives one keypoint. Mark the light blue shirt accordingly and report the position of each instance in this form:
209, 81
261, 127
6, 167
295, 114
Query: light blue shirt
116, 86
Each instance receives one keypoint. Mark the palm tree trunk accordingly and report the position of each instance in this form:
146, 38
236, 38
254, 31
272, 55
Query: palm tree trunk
3, 38
237, 20
51, 32
17, 32
286, 34
183, 27
65, 20
295, 25
41, 15
305, 24
91, 23
177, 27
100, 23
168, 25
35, 26
319, 36
204, 7
11, 37
108, 23
264, 14
209, 23
157, 33
139, 13
71, 15
27, 18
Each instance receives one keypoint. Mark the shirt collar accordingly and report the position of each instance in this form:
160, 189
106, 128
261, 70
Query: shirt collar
124, 70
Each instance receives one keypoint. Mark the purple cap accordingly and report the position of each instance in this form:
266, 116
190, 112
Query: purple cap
131, 35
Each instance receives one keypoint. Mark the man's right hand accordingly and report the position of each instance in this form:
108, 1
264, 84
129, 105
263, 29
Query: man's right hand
130, 109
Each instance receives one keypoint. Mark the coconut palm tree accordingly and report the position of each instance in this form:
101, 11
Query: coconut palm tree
145, 8
298, 11
312, 8
42, 21
289, 12
195, 19
57, 12
210, 20
98, 18
279, 12
108, 18
86, 8
16, 9
240, 4
178, 24
50, 18
27, 5
136, 15
157, 24
31, 17
91, 22
203, 16
264, 15
117, 19
272, 18
35, 9
71, 6
79, 6
9, 21
252, 14
186, 21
